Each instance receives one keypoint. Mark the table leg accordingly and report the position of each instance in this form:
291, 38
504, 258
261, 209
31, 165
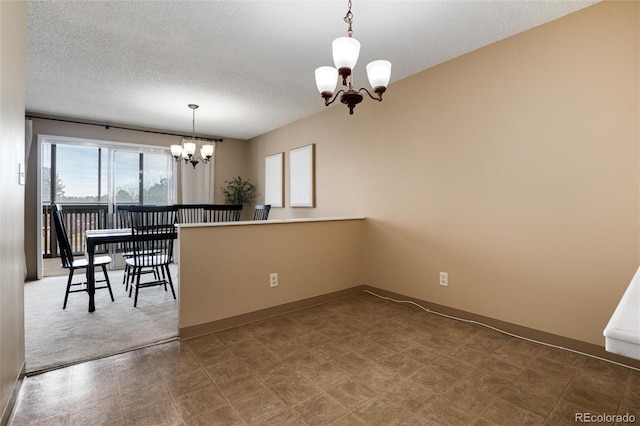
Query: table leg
91, 275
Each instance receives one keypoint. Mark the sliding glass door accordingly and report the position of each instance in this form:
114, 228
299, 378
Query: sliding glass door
73, 174
126, 177
90, 178
142, 178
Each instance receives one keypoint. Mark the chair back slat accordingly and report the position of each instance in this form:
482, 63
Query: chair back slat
66, 253
222, 212
122, 216
190, 213
261, 211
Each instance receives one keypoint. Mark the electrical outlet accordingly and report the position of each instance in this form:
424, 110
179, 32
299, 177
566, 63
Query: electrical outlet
444, 279
273, 279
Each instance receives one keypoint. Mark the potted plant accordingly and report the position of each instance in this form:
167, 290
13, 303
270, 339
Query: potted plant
239, 191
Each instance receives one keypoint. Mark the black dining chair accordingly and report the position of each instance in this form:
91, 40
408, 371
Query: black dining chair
123, 220
222, 212
153, 230
68, 262
261, 211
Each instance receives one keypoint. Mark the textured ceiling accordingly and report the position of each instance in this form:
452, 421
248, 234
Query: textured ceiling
248, 64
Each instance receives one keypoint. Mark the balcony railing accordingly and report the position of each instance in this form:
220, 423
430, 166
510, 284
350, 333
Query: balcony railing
82, 217
78, 218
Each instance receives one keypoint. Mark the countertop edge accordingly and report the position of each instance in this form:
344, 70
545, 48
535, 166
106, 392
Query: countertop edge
269, 222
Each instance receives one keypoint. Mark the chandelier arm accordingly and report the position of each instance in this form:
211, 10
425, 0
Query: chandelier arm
378, 98
328, 102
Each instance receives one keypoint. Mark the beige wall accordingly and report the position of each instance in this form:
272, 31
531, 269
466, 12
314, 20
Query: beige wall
231, 159
13, 24
224, 270
514, 168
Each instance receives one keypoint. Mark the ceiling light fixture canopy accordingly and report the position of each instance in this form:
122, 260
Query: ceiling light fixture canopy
186, 151
345, 56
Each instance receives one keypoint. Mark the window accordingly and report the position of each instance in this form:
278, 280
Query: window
155, 184
74, 172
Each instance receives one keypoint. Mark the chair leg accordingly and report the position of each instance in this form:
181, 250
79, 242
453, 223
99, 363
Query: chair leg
135, 300
132, 275
170, 281
164, 276
127, 273
106, 278
129, 276
125, 277
66, 295
134, 269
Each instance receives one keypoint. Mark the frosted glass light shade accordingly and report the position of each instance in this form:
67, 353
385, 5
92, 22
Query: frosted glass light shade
326, 79
206, 150
379, 73
345, 52
176, 150
189, 148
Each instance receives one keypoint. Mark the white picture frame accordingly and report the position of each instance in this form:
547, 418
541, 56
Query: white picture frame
274, 180
302, 176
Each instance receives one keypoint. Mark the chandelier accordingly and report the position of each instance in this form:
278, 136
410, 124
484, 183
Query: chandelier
345, 56
186, 150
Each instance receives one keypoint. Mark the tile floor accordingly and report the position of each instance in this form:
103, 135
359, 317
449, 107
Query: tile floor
357, 361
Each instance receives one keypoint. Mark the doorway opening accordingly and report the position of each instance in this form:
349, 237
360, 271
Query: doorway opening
90, 178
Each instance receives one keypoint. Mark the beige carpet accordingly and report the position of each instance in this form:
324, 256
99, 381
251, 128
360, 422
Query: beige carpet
56, 337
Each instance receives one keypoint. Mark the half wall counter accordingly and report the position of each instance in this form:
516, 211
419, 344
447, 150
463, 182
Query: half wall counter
225, 269
622, 333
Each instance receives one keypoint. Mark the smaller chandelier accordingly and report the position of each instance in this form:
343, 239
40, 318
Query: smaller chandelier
186, 151
345, 56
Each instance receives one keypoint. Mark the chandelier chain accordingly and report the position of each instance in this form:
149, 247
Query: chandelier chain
348, 18
193, 125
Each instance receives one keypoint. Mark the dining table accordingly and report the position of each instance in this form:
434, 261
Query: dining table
97, 237
94, 238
